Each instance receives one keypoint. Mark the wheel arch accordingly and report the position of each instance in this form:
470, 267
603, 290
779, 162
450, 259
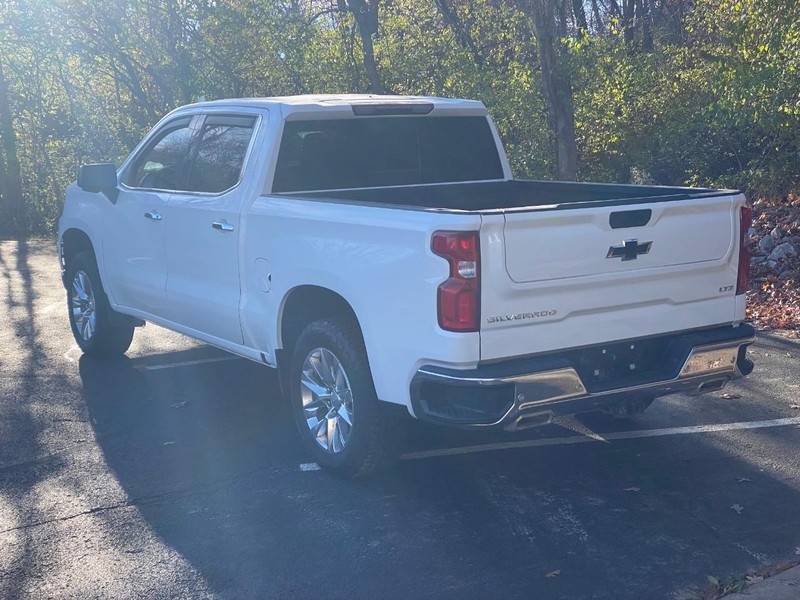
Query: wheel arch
307, 303
74, 241
302, 305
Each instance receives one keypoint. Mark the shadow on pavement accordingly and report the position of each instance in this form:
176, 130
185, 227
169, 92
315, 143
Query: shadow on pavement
24, 463
210, 458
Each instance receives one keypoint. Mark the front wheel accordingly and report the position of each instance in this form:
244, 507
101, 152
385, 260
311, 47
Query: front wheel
337, 412
90, 315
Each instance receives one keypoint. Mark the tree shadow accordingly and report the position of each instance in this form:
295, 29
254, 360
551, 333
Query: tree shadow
24, 462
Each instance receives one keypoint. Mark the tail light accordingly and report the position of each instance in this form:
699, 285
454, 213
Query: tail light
744, 254
459, 296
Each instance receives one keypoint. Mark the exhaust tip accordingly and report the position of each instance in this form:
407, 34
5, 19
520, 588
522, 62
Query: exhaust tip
530, 421
711, 386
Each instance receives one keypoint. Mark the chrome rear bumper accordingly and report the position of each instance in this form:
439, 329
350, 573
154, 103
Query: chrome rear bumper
494, 397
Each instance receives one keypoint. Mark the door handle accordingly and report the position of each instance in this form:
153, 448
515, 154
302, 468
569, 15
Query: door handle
152, 214
222, 226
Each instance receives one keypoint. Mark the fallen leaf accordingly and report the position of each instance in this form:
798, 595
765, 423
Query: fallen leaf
555, 573
738, 508
730, 396
180, 404
743, 479
751, 579
631, 489
168, 444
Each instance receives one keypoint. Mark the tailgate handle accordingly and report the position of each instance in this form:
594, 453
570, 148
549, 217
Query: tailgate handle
630, 218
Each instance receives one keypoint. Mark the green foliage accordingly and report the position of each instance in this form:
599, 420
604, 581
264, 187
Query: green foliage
721, 108
716, 101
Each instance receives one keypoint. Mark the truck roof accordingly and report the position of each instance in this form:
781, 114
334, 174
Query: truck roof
327, 103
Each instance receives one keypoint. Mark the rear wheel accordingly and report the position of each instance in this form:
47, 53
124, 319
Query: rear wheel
90, 315
341, 421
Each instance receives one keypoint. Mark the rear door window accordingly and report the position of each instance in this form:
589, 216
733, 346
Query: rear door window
221, 149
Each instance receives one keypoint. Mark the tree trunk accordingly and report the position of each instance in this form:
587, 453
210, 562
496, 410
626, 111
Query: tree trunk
614, 8
461, 31
579, 13
644, 15
556, 85
11, 185
598, 19
627, 23
366, 15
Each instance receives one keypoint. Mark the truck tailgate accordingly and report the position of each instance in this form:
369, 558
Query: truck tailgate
564, 278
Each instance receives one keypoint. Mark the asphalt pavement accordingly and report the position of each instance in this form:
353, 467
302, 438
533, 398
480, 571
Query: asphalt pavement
177, 473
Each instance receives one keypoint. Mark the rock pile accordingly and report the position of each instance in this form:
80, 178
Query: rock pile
777, 252
774, 296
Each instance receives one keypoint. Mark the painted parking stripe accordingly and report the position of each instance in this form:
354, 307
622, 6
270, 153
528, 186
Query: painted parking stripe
189, 363
618, 435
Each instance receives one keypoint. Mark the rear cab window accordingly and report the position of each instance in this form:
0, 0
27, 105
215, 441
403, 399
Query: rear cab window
364, 152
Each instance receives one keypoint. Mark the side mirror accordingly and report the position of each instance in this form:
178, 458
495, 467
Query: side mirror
100, 177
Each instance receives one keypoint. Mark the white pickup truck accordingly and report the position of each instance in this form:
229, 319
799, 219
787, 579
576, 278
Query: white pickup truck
377, 251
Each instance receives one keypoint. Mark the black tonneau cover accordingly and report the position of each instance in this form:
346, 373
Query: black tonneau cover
509, 195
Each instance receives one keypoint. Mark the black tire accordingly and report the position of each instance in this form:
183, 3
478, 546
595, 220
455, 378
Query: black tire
376, 436
106, 339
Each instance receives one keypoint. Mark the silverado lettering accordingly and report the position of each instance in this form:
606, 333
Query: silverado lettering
520, 316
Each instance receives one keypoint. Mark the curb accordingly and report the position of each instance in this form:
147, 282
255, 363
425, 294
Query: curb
783, 586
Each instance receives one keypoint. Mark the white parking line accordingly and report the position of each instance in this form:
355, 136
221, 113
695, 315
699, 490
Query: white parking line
619, 435
188, 363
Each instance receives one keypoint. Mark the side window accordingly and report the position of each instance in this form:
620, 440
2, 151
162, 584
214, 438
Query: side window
220, 154
162, 165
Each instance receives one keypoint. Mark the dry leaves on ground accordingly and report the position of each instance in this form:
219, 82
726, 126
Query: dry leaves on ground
751, 579
555, 573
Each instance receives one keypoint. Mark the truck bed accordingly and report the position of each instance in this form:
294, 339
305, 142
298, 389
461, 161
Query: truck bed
509, 195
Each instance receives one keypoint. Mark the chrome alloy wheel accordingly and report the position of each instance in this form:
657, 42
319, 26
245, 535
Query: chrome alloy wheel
82, 304
327, 400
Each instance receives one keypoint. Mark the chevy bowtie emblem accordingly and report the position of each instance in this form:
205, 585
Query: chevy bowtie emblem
629, 250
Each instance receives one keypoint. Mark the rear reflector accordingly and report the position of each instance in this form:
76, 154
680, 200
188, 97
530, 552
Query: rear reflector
458, 301
744, 253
